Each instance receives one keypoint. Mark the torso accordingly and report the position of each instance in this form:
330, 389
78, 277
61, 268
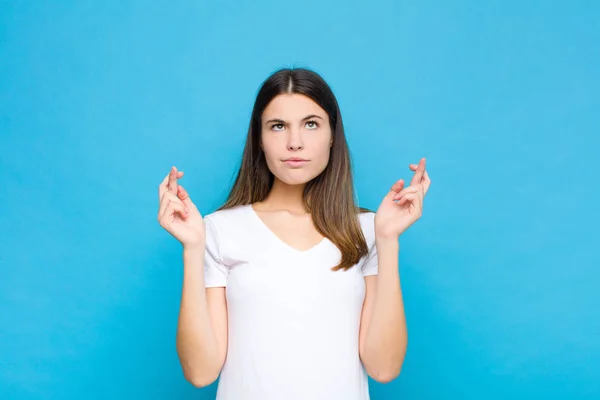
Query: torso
293, 323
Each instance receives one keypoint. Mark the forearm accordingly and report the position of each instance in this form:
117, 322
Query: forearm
196, 340
387, 336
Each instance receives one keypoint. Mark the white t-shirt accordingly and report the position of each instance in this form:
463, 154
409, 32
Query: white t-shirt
293, 323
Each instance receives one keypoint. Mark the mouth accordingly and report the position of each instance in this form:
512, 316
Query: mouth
295, 161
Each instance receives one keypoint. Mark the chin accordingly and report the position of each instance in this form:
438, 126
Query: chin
294, 181
295, 178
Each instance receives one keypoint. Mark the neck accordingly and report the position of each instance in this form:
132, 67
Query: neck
285, 197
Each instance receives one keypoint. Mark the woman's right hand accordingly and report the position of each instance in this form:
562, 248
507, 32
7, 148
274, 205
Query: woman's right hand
177, 214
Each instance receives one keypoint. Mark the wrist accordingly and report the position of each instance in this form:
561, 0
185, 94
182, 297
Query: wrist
386, 237
194, 247
384, 242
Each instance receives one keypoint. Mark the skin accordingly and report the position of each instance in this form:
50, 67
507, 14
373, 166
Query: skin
293, 126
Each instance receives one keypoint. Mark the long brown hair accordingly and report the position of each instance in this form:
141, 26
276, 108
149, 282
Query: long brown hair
330, 197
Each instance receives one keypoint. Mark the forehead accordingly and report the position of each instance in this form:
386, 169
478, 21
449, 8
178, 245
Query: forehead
292, 106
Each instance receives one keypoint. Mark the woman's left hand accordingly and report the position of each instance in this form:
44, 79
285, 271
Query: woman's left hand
401, 207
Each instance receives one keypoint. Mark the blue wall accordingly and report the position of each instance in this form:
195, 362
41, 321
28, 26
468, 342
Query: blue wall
99, 99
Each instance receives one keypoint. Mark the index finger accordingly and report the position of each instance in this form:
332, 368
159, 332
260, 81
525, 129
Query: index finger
426, 182
162, 188
165, 185
418, 176
172, 187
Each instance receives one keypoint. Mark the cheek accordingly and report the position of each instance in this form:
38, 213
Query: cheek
272, 154
270, 149
322, 148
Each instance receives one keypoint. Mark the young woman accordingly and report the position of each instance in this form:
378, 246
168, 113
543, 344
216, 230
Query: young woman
291, 291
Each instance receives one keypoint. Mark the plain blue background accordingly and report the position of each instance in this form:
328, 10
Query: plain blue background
99, 99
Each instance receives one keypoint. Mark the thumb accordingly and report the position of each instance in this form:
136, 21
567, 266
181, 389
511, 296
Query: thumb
395, 189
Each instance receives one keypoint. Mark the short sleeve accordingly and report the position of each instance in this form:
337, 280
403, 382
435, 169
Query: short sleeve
371, 266
215, 272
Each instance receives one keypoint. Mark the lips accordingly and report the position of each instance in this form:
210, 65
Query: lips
295, 161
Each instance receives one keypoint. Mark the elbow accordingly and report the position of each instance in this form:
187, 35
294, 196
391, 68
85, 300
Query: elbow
200, 375
199, 371
386, 369
386, 376
199, 380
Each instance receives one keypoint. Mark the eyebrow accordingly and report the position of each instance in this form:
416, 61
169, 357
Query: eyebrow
280, 121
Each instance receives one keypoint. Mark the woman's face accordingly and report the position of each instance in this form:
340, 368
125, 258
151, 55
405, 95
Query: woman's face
296, 138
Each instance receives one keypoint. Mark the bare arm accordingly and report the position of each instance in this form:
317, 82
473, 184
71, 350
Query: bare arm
202, 327
383, 333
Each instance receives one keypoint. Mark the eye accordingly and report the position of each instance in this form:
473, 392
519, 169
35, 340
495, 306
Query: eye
277, 127
312, 124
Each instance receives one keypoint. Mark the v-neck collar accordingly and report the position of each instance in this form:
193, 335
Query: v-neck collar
269, 232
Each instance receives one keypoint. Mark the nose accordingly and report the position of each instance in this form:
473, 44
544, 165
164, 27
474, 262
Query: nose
295, 142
